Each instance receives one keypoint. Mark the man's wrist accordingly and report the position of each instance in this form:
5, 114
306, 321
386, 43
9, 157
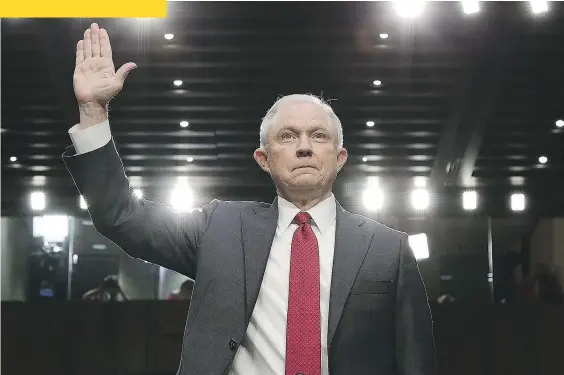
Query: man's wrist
92, 114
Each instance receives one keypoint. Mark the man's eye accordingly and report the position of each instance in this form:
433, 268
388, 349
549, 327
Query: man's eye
286, 136
319, 135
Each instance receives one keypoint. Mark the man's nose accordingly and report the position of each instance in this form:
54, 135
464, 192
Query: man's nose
304, 149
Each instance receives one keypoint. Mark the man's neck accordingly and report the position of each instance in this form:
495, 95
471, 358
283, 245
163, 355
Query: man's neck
304, 201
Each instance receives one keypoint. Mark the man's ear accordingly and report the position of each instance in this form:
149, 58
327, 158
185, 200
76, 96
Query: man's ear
341, 158
261, 157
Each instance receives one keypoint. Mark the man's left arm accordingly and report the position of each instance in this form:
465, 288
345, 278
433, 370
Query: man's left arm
414, 344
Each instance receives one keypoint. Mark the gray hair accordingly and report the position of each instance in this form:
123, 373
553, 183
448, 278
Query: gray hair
268, 119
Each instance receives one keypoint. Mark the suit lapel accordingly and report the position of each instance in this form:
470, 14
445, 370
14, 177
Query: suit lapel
259, 227
352, 241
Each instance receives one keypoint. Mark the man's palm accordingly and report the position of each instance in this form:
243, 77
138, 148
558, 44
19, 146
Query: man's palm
95, 78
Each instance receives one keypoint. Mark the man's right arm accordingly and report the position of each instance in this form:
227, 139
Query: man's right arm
143, 229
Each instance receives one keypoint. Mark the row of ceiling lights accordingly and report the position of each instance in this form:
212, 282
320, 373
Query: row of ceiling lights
415, 8
372, 198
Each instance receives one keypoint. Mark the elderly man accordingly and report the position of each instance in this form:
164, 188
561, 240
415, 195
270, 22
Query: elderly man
299, 286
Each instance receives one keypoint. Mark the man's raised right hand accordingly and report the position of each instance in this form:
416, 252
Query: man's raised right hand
95, 80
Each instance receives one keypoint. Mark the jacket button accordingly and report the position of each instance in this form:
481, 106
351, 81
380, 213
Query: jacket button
232, 345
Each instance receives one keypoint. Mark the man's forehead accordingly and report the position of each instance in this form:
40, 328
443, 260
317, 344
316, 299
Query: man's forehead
302, 111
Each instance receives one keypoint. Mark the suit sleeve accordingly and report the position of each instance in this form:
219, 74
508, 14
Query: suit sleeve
144, 229
414, 344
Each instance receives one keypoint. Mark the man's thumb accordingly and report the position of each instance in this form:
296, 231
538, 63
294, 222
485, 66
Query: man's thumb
124, 71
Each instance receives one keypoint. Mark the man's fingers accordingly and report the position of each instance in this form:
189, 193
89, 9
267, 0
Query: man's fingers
105, 46
95, 38
124, 71
79, 52
87, 48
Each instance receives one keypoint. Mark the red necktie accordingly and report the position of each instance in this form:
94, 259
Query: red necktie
303, 334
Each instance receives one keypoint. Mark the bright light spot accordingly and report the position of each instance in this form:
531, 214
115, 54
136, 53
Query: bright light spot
409, 8
543, 159
469, 200
177, 82
373, 198
184, 123
189, 159
539, 6
559, 123
384, 36
470, 6
53, 228
364, 159
377, 82
419, 245
420, 182
420, 199
517, 202
13, 158
182, 197
37, 200
82, 203
138, 193
74, 258
370, 123
169, 36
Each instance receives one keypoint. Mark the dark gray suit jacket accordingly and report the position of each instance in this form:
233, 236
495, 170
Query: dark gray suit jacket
379, 316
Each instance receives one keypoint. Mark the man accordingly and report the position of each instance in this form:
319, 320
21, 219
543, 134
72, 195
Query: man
299, 286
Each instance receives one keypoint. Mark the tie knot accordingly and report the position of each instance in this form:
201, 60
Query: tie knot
302, 218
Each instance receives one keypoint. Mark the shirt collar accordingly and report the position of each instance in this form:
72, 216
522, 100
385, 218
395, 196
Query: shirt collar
323, 214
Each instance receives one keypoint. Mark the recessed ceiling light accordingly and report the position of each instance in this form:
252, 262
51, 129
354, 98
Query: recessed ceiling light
364, 159
543, 159
377, 82
189, 159
559, 123
384, 36
370, 123
177, 82
184, 123
13, 158
169, 36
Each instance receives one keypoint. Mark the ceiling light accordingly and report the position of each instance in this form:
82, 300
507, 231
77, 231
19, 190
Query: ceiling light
539, 6
377, 82
370, 123
469, 200
384, 36
13, 158
373, 198
409, 8
420, 199
138, 193
364, 159
169, 36
177, 82
184, 123
82, 203
517, 202
470, 6
37, 200
559, 123
543, 159
189, 159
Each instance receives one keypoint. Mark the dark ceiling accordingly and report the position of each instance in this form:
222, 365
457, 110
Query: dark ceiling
465, 100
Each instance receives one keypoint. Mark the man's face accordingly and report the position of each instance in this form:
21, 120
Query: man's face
302, 152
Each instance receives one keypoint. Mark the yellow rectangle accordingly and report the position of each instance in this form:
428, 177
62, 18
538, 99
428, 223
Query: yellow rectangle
82, 8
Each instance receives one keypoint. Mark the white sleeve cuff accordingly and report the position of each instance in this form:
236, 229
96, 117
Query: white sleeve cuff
91, 138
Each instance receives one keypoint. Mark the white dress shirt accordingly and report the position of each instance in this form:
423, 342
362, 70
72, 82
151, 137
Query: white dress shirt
263, 350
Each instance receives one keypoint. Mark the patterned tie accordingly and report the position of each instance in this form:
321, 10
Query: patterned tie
303, 335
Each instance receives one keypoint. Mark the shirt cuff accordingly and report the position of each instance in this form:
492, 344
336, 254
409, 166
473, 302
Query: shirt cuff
91, 138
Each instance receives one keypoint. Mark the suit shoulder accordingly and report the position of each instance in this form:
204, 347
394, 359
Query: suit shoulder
381, 228
236, 206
